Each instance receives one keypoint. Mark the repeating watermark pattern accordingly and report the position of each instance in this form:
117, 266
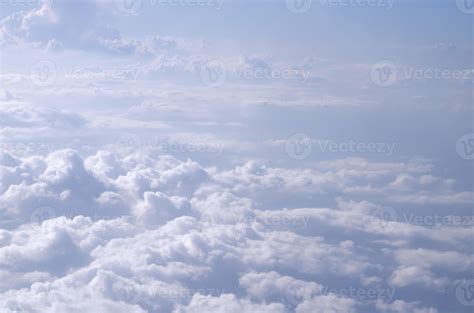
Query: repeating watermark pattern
384, 73
304, 6
97, 73
28, 148
213, 73
128, 7
439, 220
465, 146
387, 73
41, 214
465, 6
133, 293
381, 218
189, 3
127, 294
387, 4
300, 221
299, 6
43, 73
352, 146
465, 292
129, 143
296, 292
133, 7
272, 74
299, 146
25, 3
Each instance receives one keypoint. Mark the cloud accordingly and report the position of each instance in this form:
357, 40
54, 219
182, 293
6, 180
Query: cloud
226, 303
154, 233
400, 306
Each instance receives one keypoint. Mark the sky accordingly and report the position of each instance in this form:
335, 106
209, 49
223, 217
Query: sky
236, 156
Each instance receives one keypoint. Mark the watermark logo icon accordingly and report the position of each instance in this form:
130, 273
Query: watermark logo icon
384, 73
465, 292
465, 146
299, 146
213, 73
127, 294
127, 144
128, 7
381, 217
42, 214
299, 6
465, 6
43, 73
295, 293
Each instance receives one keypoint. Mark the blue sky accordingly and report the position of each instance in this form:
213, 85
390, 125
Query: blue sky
236, 156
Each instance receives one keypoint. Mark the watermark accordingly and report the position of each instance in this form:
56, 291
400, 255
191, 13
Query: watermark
25, 3
301, 221
297, 292
381, 218
436, 73
41, 214
299, 6
27, 148
465, 6
465, 146
125, 293
189, 3
215, 73
272, 74
129, 144
133, 294
97, 73
43, 73
387, 4
438, 220
465, 292
387, 73
384, 73
304, 6
352, 146
128, 7
133, 7
299, 146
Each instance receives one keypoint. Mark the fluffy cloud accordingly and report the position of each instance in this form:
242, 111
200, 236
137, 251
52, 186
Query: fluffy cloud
153, 233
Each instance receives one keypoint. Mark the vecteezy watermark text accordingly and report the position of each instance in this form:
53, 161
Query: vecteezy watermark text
27, 148
387, 73
300, 146
133, 7
384, 217
269, 220
45, 73
296, 292
215, 73
25, 3
129, 144
304, 6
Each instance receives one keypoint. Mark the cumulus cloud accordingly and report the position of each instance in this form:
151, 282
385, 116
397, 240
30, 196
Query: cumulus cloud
154, 233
